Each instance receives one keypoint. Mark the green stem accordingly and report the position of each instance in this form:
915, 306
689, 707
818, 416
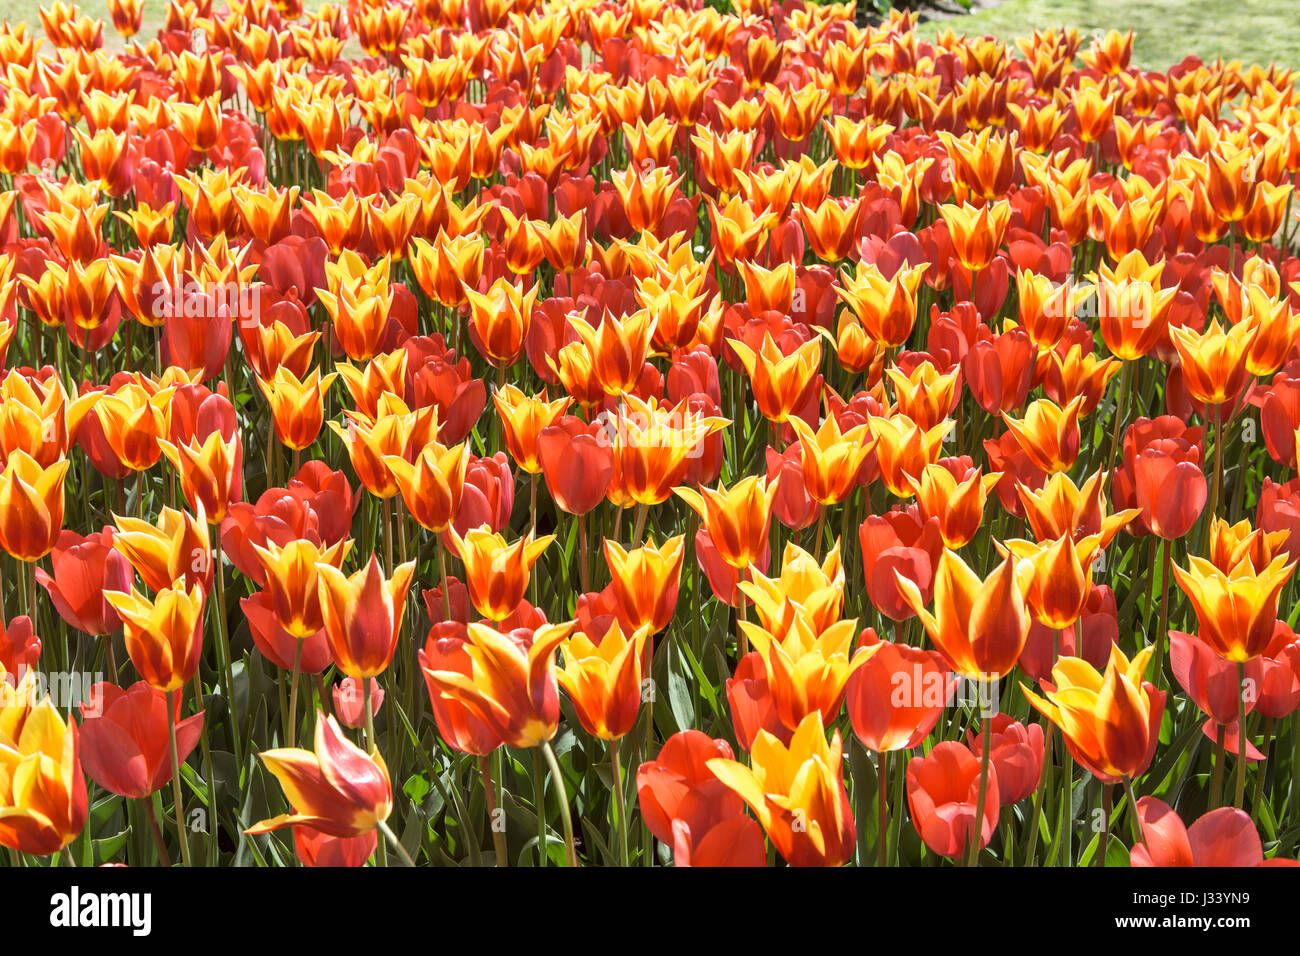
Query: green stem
489, 791
566, 819
977, 829
619, 803
1241, 735
176, 777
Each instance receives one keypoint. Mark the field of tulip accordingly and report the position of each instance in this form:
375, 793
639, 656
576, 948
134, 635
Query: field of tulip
627, 433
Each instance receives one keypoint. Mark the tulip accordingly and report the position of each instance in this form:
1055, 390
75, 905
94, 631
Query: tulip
577, 462
831, 458
1110, 721
603, 679
43, 805
737, 519
977, 232
458, 724
904, 449
897, 697
349, 699
1017, 754
291, 581
1062, 577
899, 543
780, 382
211, 472
84, 568
297, 407
432, 487
497, 573
508, 682
176, 550
804, 588
314, 848
124, 738
645, 582
31, 506
1048, 434
499, 320
653, 448
164, 637
362, 616
685, 805
797, 793
1235, 609
980, 627
339, 789
1222, 837
523, 418
956, 500
943, 791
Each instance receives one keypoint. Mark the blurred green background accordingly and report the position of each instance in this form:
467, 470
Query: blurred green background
1252, 31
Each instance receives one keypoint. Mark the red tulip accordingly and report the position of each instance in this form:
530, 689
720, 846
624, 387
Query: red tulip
942, 794
84, 568
124, 738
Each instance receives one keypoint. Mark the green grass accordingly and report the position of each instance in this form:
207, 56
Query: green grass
1252, 31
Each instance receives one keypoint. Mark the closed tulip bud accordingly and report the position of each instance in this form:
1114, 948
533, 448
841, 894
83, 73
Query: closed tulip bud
577, 463
1110, 721
897, 696
1016, 753
124, 738
797, 793
164, 637
339, 789
349, 701
362, 615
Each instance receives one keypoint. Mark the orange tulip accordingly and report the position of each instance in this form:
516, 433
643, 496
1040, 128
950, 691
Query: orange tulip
43, 804
297, 407
603, 679
433, 486
737, 519
164, 637
522, 419
362, 615
653, 448
291, 581
1214, 362
211, 472
797, 793
31, 506
618, 348
1111, 721
497, 573
644, 582
1236, 609
779, 381
499, 320
1062, 577
904, 450
1048, 434
176, 550
958, 503
980, 627
977, 233
510, 682
885, 307
831, 458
